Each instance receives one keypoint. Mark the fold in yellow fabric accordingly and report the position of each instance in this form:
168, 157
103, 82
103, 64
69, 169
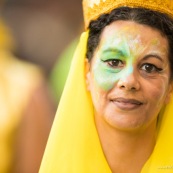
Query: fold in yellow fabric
74, 146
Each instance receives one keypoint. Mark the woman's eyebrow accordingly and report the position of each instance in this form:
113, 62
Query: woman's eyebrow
153, 55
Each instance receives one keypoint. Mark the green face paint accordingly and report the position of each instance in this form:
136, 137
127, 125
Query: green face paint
105, 75
118, 53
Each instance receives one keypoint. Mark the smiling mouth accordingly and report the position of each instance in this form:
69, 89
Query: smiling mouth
127, 104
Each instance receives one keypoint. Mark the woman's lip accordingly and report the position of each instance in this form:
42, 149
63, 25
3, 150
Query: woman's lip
127, 104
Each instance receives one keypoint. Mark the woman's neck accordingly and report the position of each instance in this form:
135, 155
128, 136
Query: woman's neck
126, 151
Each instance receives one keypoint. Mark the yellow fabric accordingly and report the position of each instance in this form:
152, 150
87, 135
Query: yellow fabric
17, 82
161, 159
73, 145
94, 8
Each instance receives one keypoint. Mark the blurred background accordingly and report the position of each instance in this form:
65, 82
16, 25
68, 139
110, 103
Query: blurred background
42, 28
37, 41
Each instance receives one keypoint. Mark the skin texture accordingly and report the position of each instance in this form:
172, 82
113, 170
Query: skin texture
129, 81
131, 62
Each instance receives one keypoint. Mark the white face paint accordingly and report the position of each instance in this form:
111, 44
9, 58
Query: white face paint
129, 75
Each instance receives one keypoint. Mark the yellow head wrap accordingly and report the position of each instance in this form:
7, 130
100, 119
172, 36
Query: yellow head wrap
74, 145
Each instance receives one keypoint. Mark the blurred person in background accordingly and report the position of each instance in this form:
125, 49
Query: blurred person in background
26, 110
43, 29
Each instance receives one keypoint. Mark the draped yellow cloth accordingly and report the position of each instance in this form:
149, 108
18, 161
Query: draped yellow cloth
74, 146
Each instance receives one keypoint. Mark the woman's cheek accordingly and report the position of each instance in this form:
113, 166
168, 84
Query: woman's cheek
157, 91
104, 78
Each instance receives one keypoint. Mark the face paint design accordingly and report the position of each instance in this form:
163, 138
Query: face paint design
106, 72
116, 57
129, 76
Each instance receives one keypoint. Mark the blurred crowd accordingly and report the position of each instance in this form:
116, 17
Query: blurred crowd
37, 40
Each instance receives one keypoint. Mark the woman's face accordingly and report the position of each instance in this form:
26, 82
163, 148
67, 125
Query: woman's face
129, 75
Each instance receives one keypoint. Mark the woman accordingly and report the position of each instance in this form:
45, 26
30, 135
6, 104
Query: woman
125, 125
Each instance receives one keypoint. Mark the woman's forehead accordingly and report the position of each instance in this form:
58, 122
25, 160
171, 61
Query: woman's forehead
132, 33
129, 29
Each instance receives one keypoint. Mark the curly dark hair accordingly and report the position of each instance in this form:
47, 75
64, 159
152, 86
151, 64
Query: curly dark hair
154, 19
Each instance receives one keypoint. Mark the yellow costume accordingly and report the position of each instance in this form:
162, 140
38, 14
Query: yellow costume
74, 145
17, 81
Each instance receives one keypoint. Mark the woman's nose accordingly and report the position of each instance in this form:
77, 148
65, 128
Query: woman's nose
129, 82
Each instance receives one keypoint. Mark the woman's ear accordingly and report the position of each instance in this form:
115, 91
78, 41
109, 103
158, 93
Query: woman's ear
87, 73
169, 94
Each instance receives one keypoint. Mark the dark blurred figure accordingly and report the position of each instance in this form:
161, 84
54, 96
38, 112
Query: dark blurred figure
43, 28
26, 110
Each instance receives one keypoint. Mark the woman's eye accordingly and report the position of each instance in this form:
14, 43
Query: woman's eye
150, 68
115, 63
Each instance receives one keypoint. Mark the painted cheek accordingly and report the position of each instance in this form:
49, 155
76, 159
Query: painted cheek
105, 77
